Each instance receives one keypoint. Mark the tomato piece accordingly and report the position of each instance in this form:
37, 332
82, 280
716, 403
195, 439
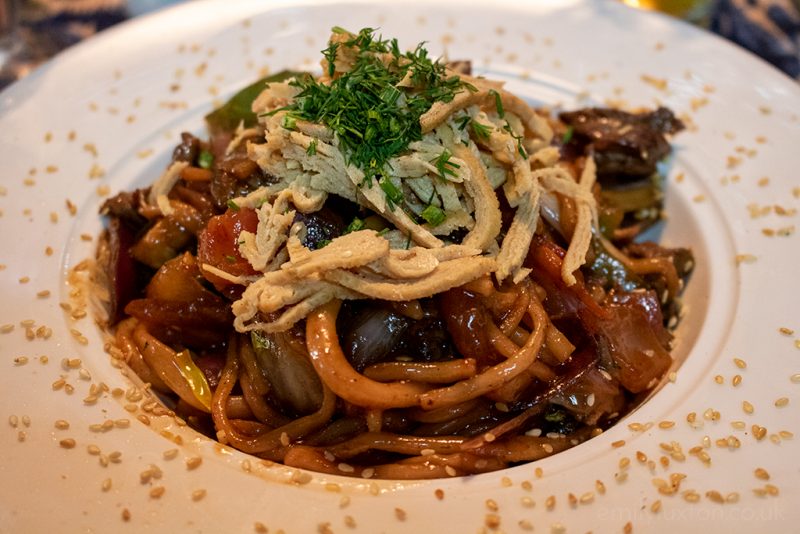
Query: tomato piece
218, 245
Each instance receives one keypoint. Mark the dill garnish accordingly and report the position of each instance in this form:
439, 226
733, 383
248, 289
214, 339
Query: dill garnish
443, 164
374, 115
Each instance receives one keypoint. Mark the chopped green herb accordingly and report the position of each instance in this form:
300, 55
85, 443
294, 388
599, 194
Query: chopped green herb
443, 164
434, 215
233, 206
230, 259
205, 159
330, 55
355, 225
518, 138
289, 122
373, 116
464, 121
568, 135
393, 194
312, 148
481, 130
498, 103
322, 243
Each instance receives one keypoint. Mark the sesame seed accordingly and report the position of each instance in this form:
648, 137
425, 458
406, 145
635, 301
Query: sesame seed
106, 485
747, 407
259, 527
628, 528
492, 505
346, 468
641, 457
198, 495
656, 506
126, 514
785, 434
550, 502
439, 494
157, 492
759, 432
666, 424
67, 443
715, 496
193, 462
600, 487
761, 473
400, 514
732, 497
737, 379
624, 462
738, 425
781, 402
369, 472
92, 449
450, 470
619, 443
691, 496
741, 364
13, 420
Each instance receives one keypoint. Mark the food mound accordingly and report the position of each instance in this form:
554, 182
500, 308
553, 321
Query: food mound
397, 269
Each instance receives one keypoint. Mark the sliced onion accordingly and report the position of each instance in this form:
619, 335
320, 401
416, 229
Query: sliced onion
293, 381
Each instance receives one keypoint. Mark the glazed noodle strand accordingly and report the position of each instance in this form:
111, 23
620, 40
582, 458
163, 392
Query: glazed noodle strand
270, 439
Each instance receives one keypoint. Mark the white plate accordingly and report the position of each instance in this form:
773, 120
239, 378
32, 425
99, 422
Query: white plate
113, 108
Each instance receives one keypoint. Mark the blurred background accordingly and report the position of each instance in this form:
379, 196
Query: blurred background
32, 31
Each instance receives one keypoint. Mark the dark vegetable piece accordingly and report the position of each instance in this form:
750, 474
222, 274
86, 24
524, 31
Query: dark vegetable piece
624, 143
682, 258
125, 206
591, 397
294, 383
369, 333
427, 340
466, 319
629, 349
187, 150
178, 308
608, 272
236, 176
646, 301
119, 268
218, 245
168, 235
330, 222
239, 108
321, 227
